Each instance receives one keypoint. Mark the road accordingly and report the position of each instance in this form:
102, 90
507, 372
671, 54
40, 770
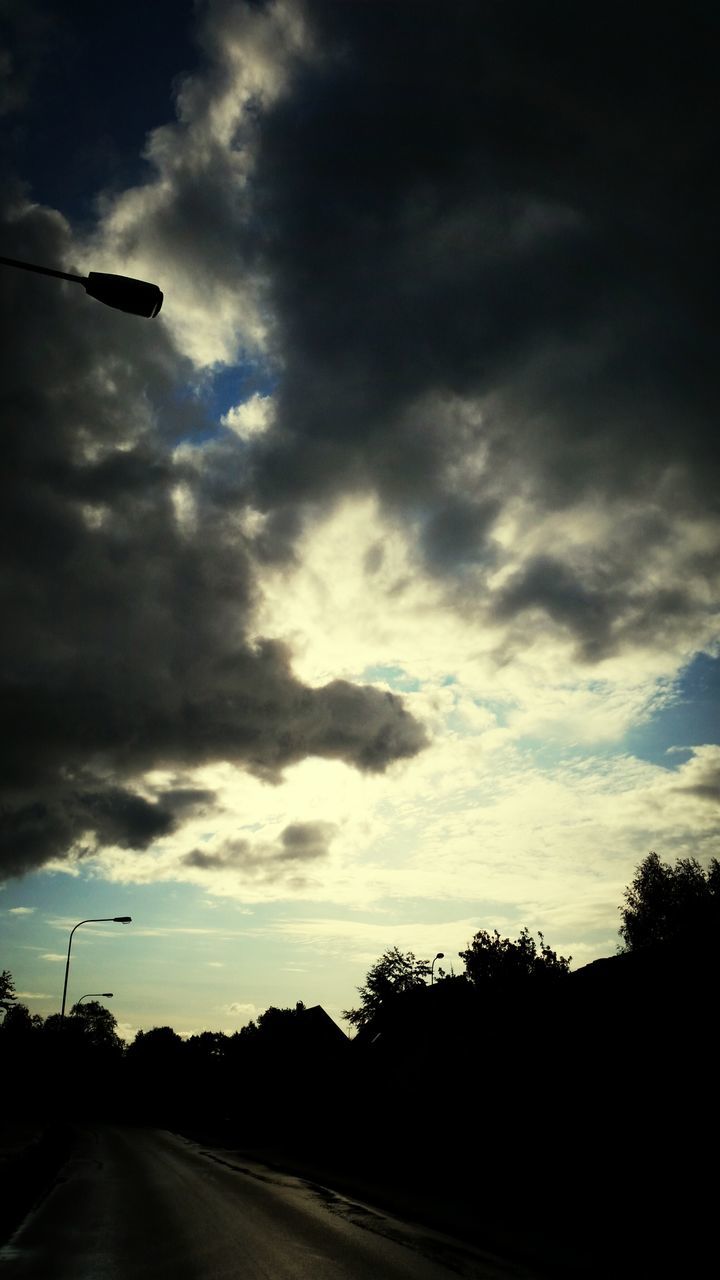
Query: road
149, 1205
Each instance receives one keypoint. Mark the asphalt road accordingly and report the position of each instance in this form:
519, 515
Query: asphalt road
142, 1204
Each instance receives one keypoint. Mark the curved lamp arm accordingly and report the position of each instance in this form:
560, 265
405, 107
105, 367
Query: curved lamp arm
91, 920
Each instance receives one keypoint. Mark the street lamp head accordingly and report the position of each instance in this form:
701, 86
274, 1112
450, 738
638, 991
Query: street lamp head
138, 297
122, 919
440, 955
107, 994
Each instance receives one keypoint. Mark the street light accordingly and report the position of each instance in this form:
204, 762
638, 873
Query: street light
94, 920
440, 956
108, 995
138, 297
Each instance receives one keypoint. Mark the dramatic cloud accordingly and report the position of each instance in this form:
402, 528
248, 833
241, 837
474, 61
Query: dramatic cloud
126, 647
195, 222
24, 34
457, 268
489, 241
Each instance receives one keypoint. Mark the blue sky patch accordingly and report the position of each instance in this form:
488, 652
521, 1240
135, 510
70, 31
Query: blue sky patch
691, 720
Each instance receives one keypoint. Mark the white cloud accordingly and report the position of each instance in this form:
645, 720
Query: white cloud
251, 418
548, 840
188, 228
551, 848
244, 1011
21, 911
364, 941
357, 597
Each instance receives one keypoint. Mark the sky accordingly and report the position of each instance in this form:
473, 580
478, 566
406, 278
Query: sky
368, 596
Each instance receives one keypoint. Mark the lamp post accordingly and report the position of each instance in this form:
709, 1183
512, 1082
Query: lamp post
107, 995
440, 956
93, 920
137, 297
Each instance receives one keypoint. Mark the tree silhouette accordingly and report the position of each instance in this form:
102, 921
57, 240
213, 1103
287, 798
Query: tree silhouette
98, 1024
19, 1021
157, 1089
7, 990
394, 974
160, 1046
492, 959
664, 902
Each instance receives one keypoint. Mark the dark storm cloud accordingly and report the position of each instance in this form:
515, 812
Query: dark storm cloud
26, 32
306, 840
456, 532
188, 799
85, 88
59, 817
124, 644
299, 843
232, 853
707, 782
510, 205
546, 584
487, 236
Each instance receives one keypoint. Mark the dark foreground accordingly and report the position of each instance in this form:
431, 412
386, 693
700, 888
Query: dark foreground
132, 1204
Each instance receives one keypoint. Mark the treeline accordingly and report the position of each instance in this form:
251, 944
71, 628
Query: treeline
517, 1098
278, 1076
79, 1067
